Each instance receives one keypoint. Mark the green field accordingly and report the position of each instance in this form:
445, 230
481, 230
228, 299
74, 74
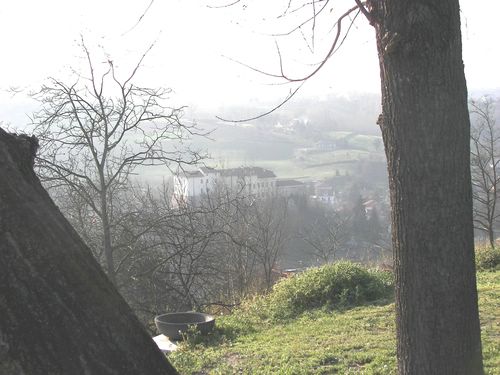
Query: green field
234, 147
358, 340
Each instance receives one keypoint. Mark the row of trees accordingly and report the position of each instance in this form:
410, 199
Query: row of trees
173, 256
353, 233
170, 256
485, 164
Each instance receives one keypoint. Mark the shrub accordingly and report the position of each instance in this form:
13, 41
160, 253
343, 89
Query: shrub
487, 258
338, 285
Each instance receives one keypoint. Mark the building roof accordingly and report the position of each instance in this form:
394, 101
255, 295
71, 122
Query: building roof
370, 204
264, 173
206, 170
288, 183
193, 174
248, 171
237, 172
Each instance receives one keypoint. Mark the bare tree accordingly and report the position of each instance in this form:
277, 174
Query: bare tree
98, 130
267, 233
485, 159
188, 242
176, 256
240, 264
326, 235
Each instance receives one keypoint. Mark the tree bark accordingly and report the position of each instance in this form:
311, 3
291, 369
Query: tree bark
59, 313
426, 129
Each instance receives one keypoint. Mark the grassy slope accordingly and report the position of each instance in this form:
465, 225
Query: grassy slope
359, 340
235, 146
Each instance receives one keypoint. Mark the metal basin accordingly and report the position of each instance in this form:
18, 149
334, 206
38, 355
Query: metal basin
174, 325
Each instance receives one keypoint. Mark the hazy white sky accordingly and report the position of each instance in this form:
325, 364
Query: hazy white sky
193, 43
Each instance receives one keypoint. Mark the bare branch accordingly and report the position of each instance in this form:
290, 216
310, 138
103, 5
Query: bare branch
289, 96
140, 18
366, 13
224, 5
328, 55
305, 22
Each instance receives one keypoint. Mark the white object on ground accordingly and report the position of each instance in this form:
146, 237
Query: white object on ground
165, 345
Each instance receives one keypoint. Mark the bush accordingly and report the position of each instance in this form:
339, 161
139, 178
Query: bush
487, 258
338, 285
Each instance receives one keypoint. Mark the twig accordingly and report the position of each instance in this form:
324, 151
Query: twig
223, 6
289, 96
140, 18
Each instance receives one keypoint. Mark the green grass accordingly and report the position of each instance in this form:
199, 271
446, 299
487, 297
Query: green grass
367, 142
231, 147
316, 343
489, 309
287, 168
357, 340
236, 146
335, 157
314, 166
334, 134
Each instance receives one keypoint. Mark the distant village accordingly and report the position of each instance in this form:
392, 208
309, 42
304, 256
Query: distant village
191, 186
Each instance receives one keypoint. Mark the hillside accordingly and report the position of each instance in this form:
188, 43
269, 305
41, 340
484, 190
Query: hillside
292, 150
356, 340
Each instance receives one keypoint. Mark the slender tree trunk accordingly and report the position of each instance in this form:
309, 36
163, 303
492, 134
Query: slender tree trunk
494, 164
425, 126
268, 270
59, 314
106, 239
491, 234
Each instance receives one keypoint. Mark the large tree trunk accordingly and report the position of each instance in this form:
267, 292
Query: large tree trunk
425, 126
59, 314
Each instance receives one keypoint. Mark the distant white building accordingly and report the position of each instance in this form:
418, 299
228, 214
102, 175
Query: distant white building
324, 193
288, 188
256, 181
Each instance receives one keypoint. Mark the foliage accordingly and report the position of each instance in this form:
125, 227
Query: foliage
336, 285
487, 258
359, 340
332, 286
